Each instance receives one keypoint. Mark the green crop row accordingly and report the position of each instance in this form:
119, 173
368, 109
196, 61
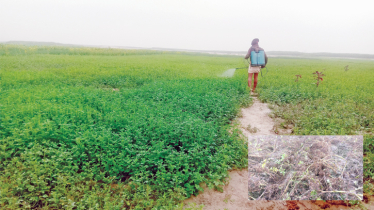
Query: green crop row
341, 105
68, 140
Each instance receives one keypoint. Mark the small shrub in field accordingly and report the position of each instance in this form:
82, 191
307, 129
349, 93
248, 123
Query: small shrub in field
318, 77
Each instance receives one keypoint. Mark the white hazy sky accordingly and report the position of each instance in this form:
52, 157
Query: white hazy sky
281, 25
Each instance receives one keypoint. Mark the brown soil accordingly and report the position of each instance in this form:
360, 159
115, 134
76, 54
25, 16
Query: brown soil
366, 199
235, 193
292, 205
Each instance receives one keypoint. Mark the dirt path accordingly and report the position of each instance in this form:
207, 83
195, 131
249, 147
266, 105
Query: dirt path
235, 194
257, 116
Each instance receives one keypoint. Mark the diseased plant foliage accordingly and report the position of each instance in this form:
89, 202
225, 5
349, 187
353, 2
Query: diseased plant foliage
319, 77
305, 167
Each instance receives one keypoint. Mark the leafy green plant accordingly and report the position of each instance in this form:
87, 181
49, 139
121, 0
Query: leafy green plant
67, 142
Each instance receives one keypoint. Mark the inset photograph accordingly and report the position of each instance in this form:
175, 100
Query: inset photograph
305, 167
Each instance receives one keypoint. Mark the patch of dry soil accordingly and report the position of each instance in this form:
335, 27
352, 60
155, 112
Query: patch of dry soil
257, 116
235, 194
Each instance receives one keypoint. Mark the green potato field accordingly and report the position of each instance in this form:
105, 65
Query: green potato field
90, 128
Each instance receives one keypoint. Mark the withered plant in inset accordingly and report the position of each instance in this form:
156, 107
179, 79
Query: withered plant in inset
297, 77
318, 76
305, 167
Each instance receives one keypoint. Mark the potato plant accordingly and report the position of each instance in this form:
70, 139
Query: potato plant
68, 141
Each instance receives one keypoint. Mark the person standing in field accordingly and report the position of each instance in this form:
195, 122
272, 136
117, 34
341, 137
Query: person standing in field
254, 70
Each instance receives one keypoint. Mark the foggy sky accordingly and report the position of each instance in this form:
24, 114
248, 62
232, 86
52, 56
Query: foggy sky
281, 25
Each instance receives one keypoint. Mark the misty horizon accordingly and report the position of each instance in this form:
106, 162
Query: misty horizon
297, 26
271, 53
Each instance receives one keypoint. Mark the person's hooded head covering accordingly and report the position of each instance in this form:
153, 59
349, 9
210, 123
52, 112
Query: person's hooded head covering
255, 44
